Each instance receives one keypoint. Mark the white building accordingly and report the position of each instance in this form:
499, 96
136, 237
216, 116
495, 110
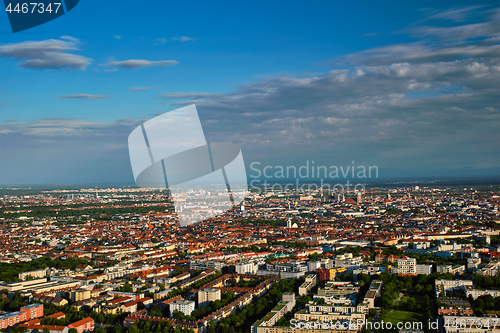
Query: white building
475, 293
308, 285
208, 295
457, 269
247, 268
424, 269
313, 265
473, 264
407, 266
491, 269
182, 305
443, 286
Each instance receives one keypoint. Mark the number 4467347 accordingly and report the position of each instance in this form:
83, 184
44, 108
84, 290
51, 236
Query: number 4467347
33, 7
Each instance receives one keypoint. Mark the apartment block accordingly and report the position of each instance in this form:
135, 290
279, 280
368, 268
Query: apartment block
205, 296
182, 305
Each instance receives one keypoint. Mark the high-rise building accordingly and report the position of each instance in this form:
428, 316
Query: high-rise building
207, 295
182, 305
33, 310
313, 265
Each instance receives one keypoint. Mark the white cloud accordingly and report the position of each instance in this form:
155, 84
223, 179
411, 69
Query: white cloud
182, 38
71, 39
472, 40
188, 95
137, 63
419, 111
160, 41
117, 37
141, 88
46, 54
84, 96
416, 52
455, 108
456, 14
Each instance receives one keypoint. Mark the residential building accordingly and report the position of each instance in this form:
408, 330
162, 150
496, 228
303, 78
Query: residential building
407, 266
308, 285
205, 296
182, 305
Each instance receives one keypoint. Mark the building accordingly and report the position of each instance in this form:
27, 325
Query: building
475, 293
33, 311
40, 273
182, 305
83, 326
444, 286
136, 296
285, 305
407, 266
323, 274
146, 301
329, 274
207, 295
490, 269
36, 286
289, 298
455, 270
335, 289
11, 319
423, 269
129, 307
287, 270
473, 264
484, 238
373, 292
313, 265
308, 285
79, 294
259, 328
455, 307
247, 268
348, 262
120, 300
59, 301
27, 312
31, 327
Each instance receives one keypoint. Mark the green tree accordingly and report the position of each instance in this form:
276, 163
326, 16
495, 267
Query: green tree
211, 327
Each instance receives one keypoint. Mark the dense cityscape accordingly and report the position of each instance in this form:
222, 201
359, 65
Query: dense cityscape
242, 166
393, 258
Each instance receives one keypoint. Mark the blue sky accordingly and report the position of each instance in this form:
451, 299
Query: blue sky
410, 86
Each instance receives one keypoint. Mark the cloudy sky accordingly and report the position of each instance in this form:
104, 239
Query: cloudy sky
409, 87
